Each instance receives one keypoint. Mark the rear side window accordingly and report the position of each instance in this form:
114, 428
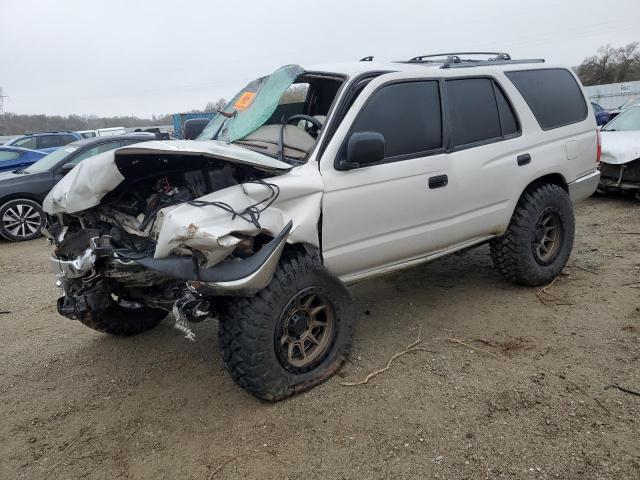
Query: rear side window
407, 114
553, 96
51, 141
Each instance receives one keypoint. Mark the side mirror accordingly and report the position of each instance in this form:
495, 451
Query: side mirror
364, 148
67, 167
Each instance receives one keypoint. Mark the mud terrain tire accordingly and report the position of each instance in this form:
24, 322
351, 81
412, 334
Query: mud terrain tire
256, 333
516, 254
123, 322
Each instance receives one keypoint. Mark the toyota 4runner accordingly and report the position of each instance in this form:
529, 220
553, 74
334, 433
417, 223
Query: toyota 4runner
310, 179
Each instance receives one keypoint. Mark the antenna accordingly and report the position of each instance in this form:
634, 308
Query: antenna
2, 97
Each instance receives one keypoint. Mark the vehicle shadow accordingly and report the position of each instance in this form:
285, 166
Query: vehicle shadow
389, 309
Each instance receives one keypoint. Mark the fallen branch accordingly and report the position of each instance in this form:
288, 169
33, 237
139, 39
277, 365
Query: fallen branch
622, 389
5, 312
623, 285
413, 347
485, 342
255, 454
585, 269
222, 465
545, 296
543, 291
455, 340
600, 403
55, 465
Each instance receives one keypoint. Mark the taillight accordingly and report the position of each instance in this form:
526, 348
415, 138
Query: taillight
599, 149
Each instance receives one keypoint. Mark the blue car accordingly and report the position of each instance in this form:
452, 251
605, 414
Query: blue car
602, 115
45, 142
16, 158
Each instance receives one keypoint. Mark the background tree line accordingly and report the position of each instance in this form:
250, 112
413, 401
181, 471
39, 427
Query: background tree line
17, 124
611, 65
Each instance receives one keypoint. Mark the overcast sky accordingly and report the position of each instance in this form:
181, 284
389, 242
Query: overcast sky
128, 57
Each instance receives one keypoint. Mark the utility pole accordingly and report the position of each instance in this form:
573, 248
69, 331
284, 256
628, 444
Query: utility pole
2, 97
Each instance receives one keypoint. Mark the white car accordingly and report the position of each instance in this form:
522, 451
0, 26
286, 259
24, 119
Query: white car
620, 168
313, 178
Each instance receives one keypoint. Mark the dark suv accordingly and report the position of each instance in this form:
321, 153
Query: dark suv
22, 191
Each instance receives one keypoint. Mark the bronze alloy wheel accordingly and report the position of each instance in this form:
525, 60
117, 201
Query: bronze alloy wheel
548, 237
306, 330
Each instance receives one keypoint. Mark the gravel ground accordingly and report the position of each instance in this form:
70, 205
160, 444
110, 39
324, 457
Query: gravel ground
524, 398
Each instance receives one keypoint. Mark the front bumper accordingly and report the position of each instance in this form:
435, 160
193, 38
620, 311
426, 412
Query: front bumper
230, 277
583, 187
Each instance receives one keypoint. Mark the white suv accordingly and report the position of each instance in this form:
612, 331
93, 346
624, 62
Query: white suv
313, 178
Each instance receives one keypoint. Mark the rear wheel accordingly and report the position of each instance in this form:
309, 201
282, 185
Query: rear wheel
21, 219
537, 244
292, 335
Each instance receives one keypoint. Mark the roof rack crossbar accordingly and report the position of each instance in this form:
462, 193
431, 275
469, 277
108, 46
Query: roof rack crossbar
455, 56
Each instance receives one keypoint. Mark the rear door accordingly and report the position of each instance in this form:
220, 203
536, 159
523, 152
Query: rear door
487, 156
380, 216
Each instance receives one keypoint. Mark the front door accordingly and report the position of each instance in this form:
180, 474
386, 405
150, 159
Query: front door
378, 216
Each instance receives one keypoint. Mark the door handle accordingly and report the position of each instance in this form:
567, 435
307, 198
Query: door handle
438, 181
524, 159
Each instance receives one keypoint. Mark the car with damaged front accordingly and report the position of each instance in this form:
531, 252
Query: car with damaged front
312, 179
620, 167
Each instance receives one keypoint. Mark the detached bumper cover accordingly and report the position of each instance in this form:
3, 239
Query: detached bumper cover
240, 277
584, 186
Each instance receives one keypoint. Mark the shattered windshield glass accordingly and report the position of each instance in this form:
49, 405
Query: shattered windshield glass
252, 106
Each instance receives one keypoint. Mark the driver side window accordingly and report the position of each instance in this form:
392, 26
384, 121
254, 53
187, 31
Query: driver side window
408, 115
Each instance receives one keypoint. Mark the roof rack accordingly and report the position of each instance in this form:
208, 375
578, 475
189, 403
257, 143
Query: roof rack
367, 59
456, 60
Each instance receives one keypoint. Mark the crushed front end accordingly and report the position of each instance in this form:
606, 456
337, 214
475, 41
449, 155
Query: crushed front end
175, 226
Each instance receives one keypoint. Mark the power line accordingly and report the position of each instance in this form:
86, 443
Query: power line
2, 97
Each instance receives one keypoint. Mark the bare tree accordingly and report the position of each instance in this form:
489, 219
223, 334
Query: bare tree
611, 65
215, 106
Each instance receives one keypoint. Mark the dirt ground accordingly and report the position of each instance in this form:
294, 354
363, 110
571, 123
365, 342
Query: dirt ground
524, 398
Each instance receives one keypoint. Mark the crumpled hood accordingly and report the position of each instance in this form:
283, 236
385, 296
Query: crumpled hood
620, 147
89, 181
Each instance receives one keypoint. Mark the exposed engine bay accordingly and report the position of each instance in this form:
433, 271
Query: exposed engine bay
176, 225
179, 230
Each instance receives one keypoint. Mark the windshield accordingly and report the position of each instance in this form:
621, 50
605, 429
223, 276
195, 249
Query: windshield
48, 162
627, 120
252, 106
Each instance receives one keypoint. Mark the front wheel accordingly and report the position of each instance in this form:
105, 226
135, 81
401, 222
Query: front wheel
292, 335
537, 244
21, 219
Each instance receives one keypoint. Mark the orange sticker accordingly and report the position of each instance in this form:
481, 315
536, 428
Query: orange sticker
244, 101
